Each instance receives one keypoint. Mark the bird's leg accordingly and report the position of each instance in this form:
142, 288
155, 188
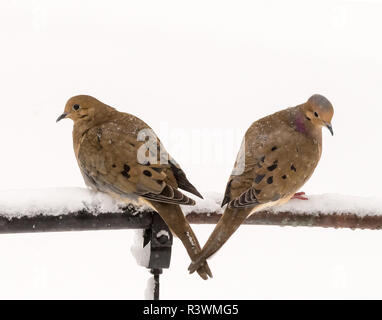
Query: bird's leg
227, 225
300, 196
176, 221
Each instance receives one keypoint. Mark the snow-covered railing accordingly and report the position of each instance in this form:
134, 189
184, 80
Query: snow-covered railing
327, 210
77, 209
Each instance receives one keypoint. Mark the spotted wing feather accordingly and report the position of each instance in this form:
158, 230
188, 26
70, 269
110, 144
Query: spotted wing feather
278, 161
108, 161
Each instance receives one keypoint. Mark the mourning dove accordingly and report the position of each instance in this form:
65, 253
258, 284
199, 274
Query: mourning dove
278, 155
120, 155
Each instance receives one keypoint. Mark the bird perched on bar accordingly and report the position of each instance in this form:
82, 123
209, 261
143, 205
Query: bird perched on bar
278, 155
120, 155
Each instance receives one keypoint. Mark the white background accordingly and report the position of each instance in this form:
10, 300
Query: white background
198, 72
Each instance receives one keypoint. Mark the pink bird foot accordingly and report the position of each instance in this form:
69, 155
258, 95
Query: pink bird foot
300, 196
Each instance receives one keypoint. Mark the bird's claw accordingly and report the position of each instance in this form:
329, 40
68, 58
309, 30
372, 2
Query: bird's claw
299, 196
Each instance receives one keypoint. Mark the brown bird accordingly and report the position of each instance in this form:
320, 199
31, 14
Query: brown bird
120, 155
278, 155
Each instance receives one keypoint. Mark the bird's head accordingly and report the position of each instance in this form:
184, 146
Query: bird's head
319, 111
84, 109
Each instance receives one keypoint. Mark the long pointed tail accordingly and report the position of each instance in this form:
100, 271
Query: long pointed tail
174, 218
227, 225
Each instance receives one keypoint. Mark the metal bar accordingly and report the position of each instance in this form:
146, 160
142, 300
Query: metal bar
130, 219
325, 220
76, 221
156, 273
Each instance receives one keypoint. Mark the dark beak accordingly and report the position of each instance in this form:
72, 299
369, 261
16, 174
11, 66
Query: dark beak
329, 126
63, 116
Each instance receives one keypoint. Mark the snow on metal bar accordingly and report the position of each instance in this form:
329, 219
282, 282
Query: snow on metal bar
75, 209
327, 210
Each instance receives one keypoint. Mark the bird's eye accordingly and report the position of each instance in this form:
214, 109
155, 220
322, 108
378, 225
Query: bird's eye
316, 114
76, 107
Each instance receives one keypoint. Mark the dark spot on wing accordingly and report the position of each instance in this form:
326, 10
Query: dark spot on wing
257, 191
307, 118
270, 180
157, 169
114, 166
147, 173
284, 177
125, 174
272, 167
259, 177
262, 159
292, 167
274, 148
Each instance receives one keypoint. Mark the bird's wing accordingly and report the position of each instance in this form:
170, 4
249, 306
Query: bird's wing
109, 160
278, 161
181, 178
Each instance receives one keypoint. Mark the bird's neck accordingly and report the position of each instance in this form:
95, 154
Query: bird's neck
81, 127
304, 125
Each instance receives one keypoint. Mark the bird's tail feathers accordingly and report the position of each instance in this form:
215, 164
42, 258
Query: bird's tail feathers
174, 218
227, 225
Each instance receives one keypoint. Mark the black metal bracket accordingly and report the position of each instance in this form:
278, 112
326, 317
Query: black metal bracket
160, 238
